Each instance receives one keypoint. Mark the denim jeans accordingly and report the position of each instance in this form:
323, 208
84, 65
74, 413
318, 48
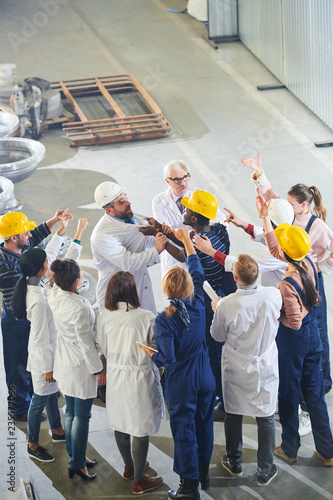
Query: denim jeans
35, 411
300, 368
266, 440
76, 425
15, 337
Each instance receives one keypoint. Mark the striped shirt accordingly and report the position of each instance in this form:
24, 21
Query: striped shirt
214, 272
10, 271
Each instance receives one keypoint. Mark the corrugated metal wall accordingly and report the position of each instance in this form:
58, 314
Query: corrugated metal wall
294, 39
222, 15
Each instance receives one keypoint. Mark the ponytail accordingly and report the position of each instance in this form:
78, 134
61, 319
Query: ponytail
31, 262
312, 296
170, 310
302, 193
19, 303
318, 206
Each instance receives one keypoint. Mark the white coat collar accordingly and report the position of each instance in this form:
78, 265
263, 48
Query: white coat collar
123, 305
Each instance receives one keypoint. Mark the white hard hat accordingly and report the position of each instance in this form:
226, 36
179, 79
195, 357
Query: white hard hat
107, 192
281, 212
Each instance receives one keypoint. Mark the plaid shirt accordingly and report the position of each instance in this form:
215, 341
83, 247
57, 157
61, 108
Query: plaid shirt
10, 271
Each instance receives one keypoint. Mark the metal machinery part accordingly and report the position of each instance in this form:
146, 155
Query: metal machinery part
19, 157
87, 288
9, 123
8, 202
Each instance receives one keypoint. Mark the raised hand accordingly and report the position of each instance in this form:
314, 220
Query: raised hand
82, 224
182, 234
255, 164
64, 218
235, 220
262, 206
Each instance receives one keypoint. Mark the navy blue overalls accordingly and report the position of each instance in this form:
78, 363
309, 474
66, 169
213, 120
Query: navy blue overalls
189, 386
300, 368
15, 338
322, 323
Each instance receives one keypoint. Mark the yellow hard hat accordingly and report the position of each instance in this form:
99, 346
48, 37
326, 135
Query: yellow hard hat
203, 203
293, 240
15, 223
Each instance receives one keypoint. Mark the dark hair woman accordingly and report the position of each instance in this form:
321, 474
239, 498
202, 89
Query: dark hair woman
310, 215
76, 361
189, 385
298, 341
30, 302
134, 399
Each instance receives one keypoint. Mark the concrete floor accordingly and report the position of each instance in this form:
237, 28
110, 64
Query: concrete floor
217, 116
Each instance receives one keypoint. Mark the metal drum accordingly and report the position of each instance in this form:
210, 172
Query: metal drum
8, 124
19, 157
8, 202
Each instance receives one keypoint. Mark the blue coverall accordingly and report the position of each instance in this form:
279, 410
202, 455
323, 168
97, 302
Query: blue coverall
189, 385
300, 368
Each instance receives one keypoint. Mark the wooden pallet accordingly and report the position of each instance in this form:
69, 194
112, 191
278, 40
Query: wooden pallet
66, 117
120, 127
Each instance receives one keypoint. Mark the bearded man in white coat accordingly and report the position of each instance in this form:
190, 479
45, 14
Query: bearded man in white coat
120, 242
247, 321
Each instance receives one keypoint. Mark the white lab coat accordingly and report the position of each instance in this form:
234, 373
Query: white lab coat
117, 246
247, 321
134, 399
43, 334
76, 359
165, 210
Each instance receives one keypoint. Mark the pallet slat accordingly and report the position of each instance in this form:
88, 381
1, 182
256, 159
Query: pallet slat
109, 130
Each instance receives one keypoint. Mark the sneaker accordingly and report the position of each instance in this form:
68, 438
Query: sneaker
233, 469
304, 424
265, 478
146, 484
40, 454
328, 462
281, 454
58, 438
219, 415
129, 471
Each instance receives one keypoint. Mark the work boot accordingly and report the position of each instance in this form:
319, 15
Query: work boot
204, 476
188, 490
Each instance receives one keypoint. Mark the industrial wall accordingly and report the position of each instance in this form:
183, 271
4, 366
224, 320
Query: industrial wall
294, 39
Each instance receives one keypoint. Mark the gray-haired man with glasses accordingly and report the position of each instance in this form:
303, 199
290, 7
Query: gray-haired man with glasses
167, 206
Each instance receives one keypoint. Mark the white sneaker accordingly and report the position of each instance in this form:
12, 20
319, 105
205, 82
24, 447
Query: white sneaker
304, 424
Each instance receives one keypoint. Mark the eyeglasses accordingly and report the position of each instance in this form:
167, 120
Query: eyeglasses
179, 180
